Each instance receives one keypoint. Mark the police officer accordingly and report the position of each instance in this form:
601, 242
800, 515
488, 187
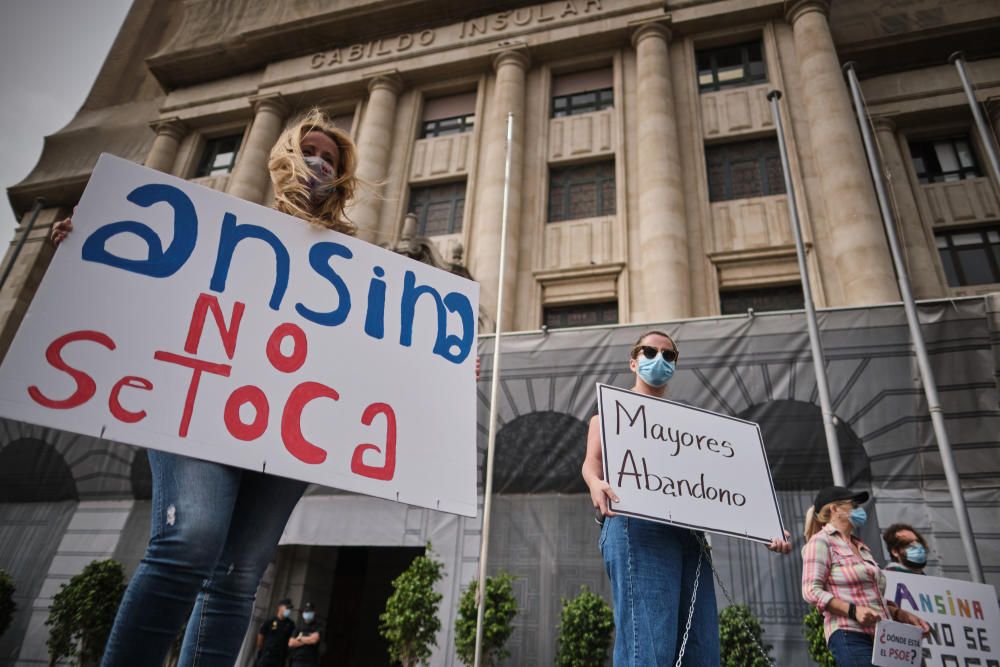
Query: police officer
273, 636
304, 646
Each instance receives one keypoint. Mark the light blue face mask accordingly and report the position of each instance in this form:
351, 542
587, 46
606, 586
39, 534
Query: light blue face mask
285, 613
916, 554
656, 372
308, 616
858, 517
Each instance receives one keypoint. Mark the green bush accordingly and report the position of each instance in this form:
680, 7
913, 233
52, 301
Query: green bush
585, 630
498, 621
818, 650
410, 622
741, 638
83, 612
7, 604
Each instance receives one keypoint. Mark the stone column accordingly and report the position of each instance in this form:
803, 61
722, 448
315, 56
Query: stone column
917, 246
374, 142
858, 242
250, 178
508, 96
163, 154
662, 229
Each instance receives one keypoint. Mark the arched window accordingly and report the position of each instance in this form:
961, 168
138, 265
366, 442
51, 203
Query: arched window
31, 470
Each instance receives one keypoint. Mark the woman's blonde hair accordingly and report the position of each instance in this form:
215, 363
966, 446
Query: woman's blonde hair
816, 520
290, 174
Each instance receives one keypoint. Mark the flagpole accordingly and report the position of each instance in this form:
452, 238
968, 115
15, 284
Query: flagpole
494, 386
819, 362
984, 134
916, 335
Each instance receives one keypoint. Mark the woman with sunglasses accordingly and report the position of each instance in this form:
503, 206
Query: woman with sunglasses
841, 578
652, 565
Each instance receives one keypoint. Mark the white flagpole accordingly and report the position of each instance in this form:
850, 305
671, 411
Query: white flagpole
494, 386
917, 336
819, 362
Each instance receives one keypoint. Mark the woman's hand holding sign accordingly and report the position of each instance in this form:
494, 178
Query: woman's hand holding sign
600, 491
61, 230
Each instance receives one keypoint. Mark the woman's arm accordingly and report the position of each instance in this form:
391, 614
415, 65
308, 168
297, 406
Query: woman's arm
593, 470
815, 572
903, 616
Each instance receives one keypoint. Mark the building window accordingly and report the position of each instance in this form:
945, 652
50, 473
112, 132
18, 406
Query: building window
219, 156
582, 191
454, 114
438, 208
944, 160
971, 256
762, 299
731, 66
744, 169
582, 92
581, 315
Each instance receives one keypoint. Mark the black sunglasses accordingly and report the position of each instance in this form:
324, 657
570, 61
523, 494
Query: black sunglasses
651, 352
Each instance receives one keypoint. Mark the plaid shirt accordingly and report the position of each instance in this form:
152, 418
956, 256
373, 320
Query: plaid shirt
830, 569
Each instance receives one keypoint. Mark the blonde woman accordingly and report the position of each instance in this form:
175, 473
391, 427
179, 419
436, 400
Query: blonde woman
842, 579
214, 527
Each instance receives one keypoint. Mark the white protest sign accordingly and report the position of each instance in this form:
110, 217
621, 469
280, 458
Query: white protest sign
690, 467
186, 320
896, 644
964, 617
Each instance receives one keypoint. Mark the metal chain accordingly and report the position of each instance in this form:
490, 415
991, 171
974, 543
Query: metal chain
694, 598
760, 647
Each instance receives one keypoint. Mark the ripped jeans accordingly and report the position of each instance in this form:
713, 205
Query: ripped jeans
214, 530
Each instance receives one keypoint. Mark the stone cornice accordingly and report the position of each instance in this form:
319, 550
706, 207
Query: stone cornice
651, 29
796, 9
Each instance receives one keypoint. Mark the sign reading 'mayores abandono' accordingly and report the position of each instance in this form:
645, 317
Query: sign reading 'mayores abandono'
183, 319
690, 467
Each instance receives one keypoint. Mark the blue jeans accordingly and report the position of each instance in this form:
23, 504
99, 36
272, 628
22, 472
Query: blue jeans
851, 649
652, 566
214, 530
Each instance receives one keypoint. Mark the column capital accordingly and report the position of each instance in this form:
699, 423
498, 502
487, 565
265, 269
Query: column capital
171, 127
796, 9
517, 57
389, 80
272, 102
883, 124
651, 29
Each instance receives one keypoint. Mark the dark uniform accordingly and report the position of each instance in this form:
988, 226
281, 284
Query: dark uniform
276, 633
308, 655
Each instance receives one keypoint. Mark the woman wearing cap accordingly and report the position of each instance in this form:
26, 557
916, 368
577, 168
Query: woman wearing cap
907, 549
652, 565
215, 527
841, 578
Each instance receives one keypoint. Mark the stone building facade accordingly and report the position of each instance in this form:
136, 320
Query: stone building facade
646, 184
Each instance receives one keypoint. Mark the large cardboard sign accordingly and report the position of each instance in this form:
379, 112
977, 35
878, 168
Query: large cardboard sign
964, 617
686, 466
896, 644
183, 319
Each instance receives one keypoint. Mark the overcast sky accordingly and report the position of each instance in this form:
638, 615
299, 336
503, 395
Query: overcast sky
50, 53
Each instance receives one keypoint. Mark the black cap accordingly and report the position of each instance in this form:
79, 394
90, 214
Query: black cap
308, 606
286, 602
832, 494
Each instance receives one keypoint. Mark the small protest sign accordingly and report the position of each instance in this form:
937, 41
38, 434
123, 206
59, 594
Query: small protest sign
686, 466
964, 617
896, 644
182, 319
